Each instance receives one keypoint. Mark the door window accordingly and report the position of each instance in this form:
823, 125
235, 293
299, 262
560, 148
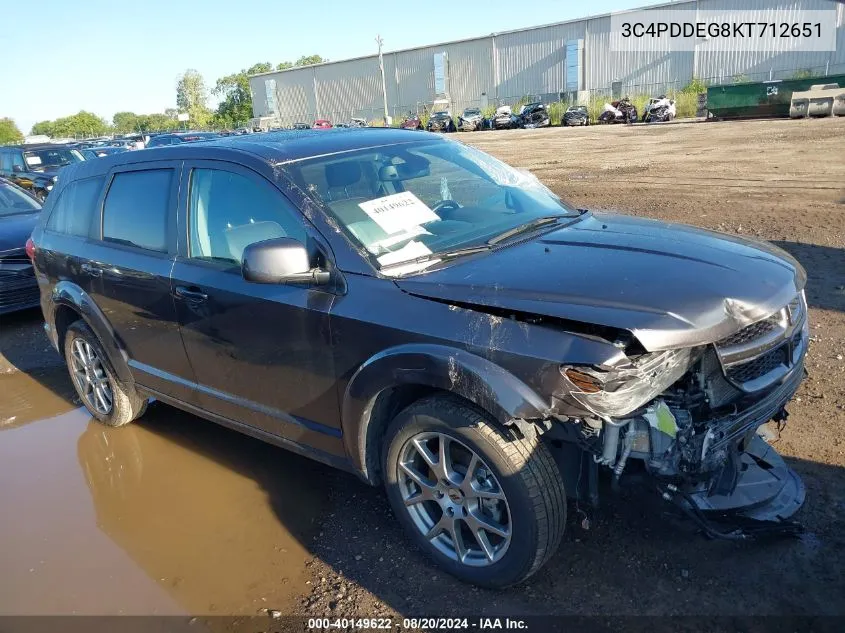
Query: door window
136, 209
6, 161
17, 160
74, 211
228, 212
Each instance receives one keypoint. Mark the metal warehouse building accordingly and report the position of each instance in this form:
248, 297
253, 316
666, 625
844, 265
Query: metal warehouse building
567, 60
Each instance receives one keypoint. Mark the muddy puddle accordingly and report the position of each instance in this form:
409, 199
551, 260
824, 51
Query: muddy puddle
171, 515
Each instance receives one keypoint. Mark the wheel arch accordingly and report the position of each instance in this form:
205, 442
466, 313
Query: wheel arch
393, 379
68, 303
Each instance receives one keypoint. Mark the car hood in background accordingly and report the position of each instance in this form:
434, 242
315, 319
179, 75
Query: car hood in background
670, 285
15, 231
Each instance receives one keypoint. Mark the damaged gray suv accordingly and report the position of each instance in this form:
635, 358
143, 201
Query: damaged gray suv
414, 311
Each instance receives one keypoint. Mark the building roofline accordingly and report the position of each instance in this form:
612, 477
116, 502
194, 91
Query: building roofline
675, 4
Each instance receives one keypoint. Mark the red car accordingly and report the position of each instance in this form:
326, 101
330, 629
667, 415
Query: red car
412, 123
321, 124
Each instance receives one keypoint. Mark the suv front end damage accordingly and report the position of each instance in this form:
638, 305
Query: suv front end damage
692, 417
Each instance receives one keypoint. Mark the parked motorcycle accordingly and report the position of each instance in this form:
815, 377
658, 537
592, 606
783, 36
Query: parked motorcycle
576, 115
660, 109
534, 115
622, 111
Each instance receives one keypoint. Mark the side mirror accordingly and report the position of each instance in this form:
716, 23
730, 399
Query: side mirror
18, 169
281, 260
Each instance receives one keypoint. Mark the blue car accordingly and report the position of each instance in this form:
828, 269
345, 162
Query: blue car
19, 213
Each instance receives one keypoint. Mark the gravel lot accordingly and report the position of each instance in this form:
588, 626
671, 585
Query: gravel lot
782, 181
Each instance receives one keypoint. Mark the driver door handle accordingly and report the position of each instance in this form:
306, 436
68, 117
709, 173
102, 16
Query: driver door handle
191, 293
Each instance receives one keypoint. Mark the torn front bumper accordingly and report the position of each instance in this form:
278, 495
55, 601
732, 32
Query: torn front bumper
754, 480
755, 483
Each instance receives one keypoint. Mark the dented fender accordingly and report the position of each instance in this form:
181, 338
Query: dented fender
489, 386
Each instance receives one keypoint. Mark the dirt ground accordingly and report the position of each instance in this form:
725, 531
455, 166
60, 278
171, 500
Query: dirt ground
192, 518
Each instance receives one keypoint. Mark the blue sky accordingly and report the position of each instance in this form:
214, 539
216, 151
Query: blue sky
106, 57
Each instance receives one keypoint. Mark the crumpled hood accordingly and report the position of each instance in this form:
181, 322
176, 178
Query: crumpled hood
670, 285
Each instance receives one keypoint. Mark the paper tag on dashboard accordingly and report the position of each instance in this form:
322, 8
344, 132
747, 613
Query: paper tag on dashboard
398, 212
411, 250
33, 160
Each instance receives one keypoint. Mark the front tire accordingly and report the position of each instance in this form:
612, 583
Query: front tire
106, 398
487, 508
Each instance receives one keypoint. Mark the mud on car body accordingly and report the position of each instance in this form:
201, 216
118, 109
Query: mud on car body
452, 330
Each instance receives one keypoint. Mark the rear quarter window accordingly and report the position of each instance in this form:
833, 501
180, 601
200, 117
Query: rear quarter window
136, 209
75, 210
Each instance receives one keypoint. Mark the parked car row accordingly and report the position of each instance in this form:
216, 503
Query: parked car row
536, 114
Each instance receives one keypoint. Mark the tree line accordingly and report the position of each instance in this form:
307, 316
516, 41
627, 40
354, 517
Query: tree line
192, 96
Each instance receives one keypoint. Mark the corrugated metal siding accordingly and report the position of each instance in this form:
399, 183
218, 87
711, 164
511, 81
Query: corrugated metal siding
345, 87
778, 60
532, 62
651, 70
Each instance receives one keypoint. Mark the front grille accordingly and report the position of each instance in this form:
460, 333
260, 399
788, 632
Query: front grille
752, 332
760, 366
762, 353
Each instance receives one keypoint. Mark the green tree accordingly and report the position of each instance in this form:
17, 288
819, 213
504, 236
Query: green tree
308, 60
80, 124
192, 98
9, 132
125, 122
236, 103
43, 127
157, 123
284, 65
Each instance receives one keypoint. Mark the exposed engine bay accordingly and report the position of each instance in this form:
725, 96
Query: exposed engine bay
692, 417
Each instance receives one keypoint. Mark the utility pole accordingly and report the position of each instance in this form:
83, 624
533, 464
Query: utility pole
380, 41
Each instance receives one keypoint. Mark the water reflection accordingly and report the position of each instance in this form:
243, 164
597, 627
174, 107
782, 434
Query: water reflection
172, 514
220, 520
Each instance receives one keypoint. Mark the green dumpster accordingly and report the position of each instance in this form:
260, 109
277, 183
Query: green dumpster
761, 98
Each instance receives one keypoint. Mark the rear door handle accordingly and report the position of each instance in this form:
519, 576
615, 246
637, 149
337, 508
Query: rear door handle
190, 294
90, 269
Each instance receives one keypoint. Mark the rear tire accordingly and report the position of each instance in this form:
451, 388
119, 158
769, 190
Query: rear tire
515, 488
107, 399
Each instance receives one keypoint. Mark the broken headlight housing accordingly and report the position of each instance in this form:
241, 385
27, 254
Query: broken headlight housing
617, 391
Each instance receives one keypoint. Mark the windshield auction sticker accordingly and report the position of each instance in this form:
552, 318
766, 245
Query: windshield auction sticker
669, 29
398, 212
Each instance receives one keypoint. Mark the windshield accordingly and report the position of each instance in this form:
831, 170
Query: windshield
410, 201
13, 201
52, 157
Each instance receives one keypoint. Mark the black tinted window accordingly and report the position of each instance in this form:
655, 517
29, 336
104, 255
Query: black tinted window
159, 140
73, 213
136, 209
